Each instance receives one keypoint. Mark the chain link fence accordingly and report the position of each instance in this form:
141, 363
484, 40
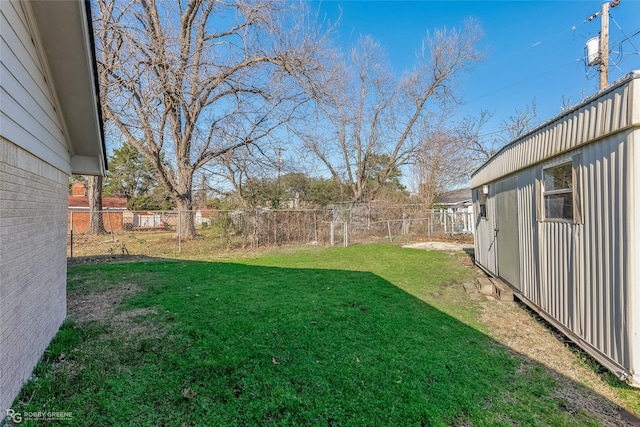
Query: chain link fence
162, 233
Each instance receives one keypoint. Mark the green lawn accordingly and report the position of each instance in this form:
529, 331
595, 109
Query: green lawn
366, 335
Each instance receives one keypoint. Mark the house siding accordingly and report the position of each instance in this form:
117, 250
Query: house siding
29, 115
33, 211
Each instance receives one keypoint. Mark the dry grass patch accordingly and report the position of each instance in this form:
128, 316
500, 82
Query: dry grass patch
513, 325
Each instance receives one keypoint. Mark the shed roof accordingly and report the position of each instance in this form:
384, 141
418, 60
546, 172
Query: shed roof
608, 111
66, 37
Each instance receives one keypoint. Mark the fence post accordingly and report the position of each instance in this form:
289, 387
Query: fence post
389, 230
431, 224
332, 234
71, 235
345, 234
444, 217
405, 228
257, 228
275, 228
179, 231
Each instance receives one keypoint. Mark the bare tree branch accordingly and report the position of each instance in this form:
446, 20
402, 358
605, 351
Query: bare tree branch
176, 76
373, 114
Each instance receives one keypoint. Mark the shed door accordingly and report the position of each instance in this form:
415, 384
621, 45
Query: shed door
507, 233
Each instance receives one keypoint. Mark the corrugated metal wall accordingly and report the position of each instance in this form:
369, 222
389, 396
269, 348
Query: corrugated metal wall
605, 253
633, 267
484, 235
582, 274
595, 118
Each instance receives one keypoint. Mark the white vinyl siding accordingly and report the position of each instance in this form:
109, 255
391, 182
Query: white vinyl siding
28, 115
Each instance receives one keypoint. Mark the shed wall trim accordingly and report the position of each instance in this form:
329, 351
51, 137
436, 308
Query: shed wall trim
597, 117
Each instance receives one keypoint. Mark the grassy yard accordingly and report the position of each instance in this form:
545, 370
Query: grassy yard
366, 335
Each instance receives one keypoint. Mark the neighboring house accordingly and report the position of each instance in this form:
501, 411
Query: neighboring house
558, 218
204, 215
458, 203
50, 127
147, 220
455, 200
114, 214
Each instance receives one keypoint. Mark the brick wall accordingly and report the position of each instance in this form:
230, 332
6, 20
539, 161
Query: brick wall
33, 211
79, 221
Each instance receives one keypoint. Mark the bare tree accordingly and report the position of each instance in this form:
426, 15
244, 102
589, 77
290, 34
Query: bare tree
481, 145
441, 164
189, 81
565, 103
519, 123
370, 112
94, 194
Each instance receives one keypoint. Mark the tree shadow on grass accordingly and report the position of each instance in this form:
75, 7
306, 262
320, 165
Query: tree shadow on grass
234, 344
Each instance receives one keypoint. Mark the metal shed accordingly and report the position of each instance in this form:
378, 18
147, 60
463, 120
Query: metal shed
557, 216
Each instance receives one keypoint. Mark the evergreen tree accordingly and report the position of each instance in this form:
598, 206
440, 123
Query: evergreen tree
132, 176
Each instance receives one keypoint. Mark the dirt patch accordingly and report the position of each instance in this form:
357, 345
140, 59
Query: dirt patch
105, 259
440, 246
514, 326
101, 306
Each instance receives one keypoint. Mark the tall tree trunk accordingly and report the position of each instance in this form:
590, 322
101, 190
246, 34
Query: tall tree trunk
184, 205
96, 223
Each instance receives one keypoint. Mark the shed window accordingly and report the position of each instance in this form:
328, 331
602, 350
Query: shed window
558, 191
481, 197
483, 210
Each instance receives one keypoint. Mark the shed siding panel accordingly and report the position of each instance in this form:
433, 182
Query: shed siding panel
28, 115
32, 261
605, 249
582, 274
528, 235
557, 251
632, 270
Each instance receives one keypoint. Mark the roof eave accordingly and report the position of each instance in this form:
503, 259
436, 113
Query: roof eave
67, 39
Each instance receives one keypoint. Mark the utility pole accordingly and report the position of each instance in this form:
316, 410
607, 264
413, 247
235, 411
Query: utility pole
604, 46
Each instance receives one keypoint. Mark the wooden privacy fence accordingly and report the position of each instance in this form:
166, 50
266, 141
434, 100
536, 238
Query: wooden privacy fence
158, 233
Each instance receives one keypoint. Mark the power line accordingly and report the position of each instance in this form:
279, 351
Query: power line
538, 43
525, 80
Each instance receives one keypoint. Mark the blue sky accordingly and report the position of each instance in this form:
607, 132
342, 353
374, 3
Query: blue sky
534, 49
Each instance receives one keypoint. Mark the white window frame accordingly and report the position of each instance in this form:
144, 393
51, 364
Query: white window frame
558, 191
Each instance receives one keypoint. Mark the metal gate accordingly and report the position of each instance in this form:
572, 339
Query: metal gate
507, 233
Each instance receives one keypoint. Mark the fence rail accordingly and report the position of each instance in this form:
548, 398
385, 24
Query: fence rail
160, 233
